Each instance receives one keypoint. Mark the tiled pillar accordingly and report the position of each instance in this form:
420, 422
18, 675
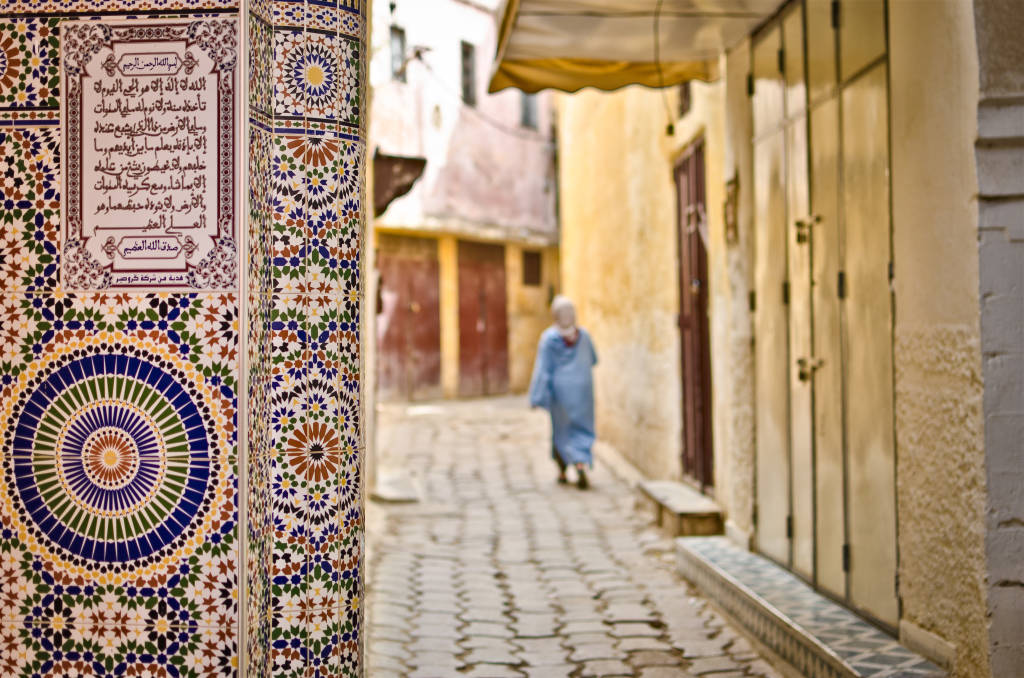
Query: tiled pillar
304, 505
140, 422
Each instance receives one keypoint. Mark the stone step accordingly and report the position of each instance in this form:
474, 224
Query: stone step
817, 637
681, 510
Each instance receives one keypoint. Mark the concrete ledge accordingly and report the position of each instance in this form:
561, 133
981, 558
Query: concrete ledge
681, 510
815, 636
395, 487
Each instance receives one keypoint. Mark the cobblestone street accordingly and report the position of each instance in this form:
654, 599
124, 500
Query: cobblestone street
499, 571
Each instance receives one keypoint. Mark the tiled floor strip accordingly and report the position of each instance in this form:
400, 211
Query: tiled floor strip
817, 636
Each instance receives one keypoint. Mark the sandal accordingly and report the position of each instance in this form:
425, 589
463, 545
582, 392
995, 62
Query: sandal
581, 478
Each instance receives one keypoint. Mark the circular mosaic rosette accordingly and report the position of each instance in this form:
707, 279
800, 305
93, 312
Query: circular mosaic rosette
115, 457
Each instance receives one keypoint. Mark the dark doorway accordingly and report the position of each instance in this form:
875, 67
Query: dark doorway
409, 323
483, 325
693, 318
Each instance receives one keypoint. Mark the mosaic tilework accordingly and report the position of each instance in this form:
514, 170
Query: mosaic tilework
118, 484
118, 458
173, 360
305, 510
28, 62
815, 635
121, 6
29, 206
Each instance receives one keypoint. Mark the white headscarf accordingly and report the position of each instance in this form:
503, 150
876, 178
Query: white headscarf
564, 314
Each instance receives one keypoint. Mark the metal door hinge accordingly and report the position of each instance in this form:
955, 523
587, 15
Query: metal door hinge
782, 61
892, 271
789, 527
846, 557
752, 301
753, 518
750, 84
785, 292
835, 14
841, 285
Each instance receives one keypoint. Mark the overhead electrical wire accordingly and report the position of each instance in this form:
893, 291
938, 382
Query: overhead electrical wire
536, 137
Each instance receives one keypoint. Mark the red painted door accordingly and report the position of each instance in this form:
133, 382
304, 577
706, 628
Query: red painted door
409, 324
483, 323
693, 319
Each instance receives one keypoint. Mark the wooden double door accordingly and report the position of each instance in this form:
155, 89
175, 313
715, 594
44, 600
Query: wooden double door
825, 454
409, 320
694, 331
483, 320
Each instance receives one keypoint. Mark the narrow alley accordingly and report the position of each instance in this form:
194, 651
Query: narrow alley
499, 571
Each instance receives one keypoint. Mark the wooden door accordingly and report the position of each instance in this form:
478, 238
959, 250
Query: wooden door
483, 321
409, 324
693, 319
826, 247
869, 378
771, 344
800, 226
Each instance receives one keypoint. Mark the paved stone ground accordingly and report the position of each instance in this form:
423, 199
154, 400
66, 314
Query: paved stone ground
498, 571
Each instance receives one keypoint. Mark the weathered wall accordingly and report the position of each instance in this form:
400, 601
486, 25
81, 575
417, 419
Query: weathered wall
940, 459
732, 348
1000, 159
528, 314
486, 175
619, 265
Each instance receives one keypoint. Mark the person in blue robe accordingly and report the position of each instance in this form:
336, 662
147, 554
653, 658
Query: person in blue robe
563, 384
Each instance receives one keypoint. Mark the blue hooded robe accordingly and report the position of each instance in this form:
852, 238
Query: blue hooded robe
563, 385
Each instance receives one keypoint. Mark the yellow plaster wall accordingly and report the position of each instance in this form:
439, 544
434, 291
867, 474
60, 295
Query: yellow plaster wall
940, 444
528, 314
731, 265
619, 265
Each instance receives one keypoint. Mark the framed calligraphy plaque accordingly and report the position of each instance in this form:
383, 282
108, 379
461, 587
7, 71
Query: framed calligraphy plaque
149, 154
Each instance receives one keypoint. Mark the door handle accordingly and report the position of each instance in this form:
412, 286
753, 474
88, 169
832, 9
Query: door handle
695, 285
806, 367
803, 228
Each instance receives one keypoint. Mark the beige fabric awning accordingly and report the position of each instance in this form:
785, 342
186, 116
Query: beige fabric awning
607, 44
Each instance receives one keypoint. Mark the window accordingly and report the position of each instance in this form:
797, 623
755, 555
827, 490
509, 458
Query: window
398, 54
468, 74
531, 268
528, 110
